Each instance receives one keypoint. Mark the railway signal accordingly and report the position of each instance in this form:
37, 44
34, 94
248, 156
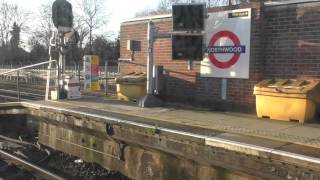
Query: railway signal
66, 37
187, 39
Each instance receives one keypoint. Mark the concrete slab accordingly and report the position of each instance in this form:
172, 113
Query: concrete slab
299, 149
304, 130
202, 120
249, 140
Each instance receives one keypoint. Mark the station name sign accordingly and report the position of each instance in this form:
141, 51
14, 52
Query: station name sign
227, 49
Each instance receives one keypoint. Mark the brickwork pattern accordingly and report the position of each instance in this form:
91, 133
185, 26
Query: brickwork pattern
292, 44
275, 53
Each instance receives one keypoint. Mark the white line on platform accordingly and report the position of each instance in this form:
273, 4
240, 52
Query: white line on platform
214, 141
210, 141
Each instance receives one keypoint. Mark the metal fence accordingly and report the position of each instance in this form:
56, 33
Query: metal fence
26, 83
33, 80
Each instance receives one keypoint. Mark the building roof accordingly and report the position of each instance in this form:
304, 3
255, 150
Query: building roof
147, 18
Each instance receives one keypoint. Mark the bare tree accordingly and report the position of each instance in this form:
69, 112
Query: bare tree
106, 49
146, 12
217, 3
15, 36
91, 14
164, 7
11, 14
44, 29
82, 30
6, 22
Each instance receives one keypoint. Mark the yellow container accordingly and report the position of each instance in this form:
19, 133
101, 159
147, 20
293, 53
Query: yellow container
132, 86
287, 99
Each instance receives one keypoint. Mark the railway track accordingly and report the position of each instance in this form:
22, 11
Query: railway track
34, 169
21, 156
8, 92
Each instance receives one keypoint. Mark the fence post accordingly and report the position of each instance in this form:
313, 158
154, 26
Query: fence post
79, 71
106, 77
18, 86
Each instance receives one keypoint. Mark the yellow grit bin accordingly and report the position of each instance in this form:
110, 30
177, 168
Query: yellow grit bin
287, 99
132, 86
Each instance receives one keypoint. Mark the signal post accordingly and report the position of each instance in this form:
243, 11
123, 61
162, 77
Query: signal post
181, 28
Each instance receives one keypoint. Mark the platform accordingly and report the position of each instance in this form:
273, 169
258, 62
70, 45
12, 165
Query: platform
241, 142
199, 120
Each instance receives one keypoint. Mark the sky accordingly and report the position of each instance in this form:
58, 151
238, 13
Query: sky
117, 10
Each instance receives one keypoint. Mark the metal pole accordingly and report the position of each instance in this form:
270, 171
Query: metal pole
150, 37
48, 80
61, 69
79, 71
58, 77
189, 65
49, 71
18, 86
224, 86
106, 77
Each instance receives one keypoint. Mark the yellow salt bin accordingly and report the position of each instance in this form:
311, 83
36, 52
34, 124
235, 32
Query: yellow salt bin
132, 86
287, 99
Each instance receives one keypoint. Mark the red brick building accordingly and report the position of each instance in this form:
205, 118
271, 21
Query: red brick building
285, 43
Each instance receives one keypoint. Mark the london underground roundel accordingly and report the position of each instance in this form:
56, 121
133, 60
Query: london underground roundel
236, 49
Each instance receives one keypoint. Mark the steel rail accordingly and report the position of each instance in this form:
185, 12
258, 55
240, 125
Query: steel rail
21, 92
8, 97
13, 98
32, 167
23, 87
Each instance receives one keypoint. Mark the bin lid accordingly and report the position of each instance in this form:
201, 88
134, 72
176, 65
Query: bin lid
288, 87
132, 78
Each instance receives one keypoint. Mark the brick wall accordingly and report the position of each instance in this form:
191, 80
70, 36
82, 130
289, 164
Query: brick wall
285, 27
274, 53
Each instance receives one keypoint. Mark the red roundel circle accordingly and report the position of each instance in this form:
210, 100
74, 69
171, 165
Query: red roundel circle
234, 59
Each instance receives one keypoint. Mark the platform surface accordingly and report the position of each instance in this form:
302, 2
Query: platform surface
244, 124
270, 142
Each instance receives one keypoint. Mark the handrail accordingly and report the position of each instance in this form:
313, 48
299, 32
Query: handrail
25, 67
29, 66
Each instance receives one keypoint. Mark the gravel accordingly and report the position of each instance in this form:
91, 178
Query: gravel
65, 164
23, 143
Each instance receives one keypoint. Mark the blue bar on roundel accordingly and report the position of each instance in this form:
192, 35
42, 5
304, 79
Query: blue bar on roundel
226, 49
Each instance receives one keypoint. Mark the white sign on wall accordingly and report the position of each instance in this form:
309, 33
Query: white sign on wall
227, 51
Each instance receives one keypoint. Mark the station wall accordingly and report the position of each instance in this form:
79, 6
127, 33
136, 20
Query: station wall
292, 41
283, 45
